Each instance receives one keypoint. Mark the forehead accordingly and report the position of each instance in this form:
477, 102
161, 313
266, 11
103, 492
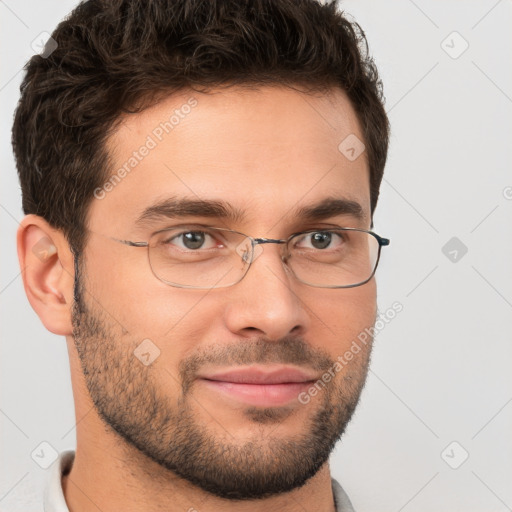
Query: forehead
267, 152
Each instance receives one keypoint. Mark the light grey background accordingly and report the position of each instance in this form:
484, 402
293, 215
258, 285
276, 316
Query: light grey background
441, 369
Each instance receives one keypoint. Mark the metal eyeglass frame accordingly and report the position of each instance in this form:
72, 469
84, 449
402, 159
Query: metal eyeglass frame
255, 241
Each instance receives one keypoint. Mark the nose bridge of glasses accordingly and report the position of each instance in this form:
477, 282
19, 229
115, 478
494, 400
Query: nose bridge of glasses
260, 241
268, 241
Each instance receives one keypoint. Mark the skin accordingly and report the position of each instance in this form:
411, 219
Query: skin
266, 151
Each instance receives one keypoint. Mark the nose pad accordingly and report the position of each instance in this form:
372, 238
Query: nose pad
244, 250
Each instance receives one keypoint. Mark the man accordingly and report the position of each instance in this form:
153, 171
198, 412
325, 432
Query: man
199, 180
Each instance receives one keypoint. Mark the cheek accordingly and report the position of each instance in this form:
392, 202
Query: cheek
121, 281
122, 284
169, 314
341, 316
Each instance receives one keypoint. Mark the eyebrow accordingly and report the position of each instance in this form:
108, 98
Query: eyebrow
175, 208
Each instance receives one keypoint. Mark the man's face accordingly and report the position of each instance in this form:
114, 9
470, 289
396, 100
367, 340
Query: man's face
267, 153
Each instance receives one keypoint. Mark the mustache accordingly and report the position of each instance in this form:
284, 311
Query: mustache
288, 350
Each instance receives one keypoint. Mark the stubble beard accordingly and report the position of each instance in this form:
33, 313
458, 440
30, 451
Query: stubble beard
129, 400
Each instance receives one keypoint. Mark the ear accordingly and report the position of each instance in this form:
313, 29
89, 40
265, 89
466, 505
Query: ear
47, 268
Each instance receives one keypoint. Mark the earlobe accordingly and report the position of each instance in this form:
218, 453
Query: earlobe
47, 270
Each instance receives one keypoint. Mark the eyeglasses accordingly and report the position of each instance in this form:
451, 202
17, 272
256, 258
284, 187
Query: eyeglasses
195, 256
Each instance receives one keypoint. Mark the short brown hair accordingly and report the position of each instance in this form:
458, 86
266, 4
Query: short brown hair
116, 56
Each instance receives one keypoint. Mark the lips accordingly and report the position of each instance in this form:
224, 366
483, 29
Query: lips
264, 386
261, 375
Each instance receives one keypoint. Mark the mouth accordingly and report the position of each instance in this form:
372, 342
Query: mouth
260, 386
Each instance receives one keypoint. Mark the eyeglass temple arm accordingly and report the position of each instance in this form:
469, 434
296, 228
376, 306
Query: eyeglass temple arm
129, 242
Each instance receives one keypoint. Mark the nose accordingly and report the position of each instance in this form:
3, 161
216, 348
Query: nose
267, 301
